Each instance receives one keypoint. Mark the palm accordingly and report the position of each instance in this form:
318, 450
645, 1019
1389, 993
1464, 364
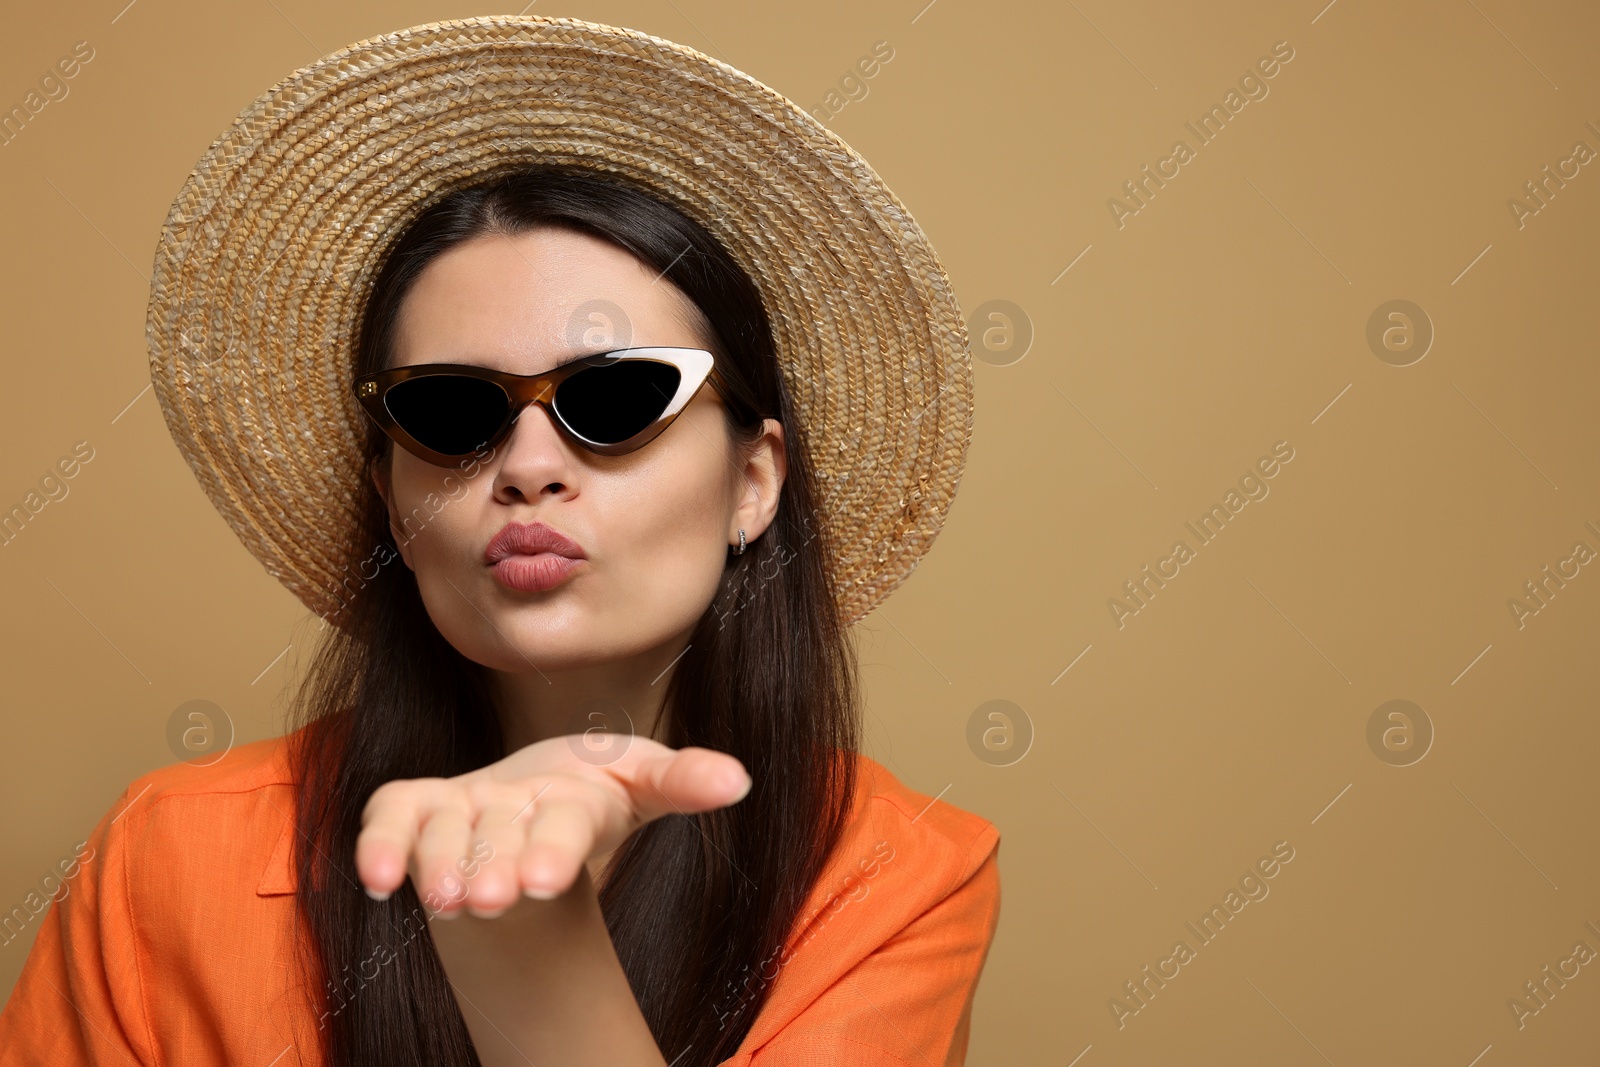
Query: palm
529, 822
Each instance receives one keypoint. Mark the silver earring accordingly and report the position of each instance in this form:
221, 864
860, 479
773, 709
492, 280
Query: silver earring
741, 542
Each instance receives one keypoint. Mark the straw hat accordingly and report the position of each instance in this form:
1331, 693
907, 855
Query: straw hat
268, 252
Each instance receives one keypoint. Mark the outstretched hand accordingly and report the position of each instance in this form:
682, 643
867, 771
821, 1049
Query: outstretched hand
530, 822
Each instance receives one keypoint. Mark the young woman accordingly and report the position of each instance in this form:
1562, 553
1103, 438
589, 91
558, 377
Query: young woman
575, 775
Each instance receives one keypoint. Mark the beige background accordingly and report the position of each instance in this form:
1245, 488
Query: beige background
1228, 314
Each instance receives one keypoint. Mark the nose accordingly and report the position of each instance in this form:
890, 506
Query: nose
536, 459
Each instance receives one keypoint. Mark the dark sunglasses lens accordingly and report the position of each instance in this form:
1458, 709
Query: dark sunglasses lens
612, 403
454, 414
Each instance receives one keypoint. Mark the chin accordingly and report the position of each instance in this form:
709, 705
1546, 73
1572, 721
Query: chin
518, 645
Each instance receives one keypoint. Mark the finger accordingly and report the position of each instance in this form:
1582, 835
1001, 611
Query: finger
686, 780
558, 844
389, 831
498, 839
440, 854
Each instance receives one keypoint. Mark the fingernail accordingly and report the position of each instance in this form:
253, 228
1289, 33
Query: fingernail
539, 893
375, 895
748, 782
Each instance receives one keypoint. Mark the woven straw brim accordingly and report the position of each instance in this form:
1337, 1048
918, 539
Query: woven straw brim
267, 255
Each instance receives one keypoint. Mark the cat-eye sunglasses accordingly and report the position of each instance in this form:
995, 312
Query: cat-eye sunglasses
609, 403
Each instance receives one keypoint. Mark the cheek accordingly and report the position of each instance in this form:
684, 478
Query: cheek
665, 554
663, 524
435, 512
436, 531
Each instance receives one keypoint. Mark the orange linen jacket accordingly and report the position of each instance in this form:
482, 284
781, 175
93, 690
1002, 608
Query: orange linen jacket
170, 943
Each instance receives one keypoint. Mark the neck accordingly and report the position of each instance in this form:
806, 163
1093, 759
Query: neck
621, 696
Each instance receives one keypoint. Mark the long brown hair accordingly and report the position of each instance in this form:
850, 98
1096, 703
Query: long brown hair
696, 905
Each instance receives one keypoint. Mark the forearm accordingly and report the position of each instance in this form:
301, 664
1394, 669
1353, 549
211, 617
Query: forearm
541, 983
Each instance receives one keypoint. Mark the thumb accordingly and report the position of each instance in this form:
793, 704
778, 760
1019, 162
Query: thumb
686, 781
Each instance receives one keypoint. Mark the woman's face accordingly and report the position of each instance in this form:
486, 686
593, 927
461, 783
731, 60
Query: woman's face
654, 525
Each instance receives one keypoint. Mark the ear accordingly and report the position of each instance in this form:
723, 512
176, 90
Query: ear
761, 476
378, 469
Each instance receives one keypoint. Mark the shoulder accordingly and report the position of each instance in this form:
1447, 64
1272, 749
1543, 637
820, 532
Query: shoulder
908, 864
206, 866
942, 838
223, 795
912, 846
158, 942
242, 769
909, 900
228, 822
